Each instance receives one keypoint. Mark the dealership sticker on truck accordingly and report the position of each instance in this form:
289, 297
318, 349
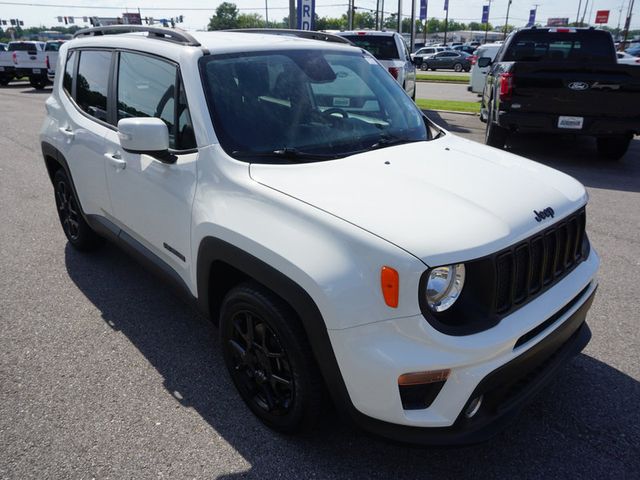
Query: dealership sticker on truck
570, 122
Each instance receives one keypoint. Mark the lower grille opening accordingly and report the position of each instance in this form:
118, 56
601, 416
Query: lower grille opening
419, 397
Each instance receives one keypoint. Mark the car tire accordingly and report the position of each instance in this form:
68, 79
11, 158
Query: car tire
76, 229
38, 83
495, 135
269, 359
613, 148
424, 67
457, 67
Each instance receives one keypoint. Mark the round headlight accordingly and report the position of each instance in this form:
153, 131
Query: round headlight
444, 286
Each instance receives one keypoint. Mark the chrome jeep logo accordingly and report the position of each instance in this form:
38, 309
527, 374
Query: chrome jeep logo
546, 213
578, 85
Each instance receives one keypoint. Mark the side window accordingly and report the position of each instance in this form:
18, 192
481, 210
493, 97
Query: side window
92, 83
147, 88
67, 80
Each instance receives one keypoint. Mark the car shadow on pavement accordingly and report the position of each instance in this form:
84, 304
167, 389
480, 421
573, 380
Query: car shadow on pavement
578, 157
586, 423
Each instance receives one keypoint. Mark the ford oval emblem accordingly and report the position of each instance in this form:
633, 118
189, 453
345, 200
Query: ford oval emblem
578, 85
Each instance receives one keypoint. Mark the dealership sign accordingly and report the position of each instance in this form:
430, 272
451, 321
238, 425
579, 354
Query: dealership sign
306, 14
557, 22
602, 16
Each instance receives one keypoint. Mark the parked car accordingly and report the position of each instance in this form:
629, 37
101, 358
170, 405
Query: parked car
29, 60
345, 245
479, 74
426, 51
51, 57
450, 59
635, 51
464, 48
627, 59
391, 51
7, 67
562, 80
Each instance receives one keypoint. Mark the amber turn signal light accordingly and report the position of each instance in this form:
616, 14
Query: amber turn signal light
420, 378
390, 283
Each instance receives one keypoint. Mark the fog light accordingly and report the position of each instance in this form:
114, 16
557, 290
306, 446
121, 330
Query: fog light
473, 407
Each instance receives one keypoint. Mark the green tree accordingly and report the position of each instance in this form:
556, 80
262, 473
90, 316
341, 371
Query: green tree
226, 17
250, 20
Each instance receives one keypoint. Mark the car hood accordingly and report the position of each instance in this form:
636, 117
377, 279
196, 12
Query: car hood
443, 201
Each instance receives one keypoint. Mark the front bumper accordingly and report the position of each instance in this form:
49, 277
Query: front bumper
507, 364
548, 123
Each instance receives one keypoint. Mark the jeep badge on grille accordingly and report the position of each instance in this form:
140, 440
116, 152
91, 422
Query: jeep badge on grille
546, 213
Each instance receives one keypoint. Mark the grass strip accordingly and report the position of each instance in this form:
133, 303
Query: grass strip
425, 77
451, 105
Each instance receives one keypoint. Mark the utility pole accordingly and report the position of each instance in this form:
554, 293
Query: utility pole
413, 26
627, 23
399, 16
584, 12
266, 13
426, 22
292, 14
506, 22
446, 20
578, 14
382, 15
377, 14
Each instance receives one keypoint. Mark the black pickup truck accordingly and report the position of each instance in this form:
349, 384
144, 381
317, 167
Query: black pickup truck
561, 80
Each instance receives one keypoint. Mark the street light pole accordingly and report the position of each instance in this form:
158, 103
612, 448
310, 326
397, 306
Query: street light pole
399, 16
506, 22
266, 12
413, 25
292, 14
446, 24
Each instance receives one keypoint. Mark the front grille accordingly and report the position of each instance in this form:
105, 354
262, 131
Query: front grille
529, 267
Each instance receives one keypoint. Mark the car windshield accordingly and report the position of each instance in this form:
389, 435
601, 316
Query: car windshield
383, 47
52, 46
306, 105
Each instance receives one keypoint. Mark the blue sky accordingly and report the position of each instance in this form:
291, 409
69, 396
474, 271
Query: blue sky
461, 10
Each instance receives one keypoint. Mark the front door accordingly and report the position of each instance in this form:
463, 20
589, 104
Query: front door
151, 199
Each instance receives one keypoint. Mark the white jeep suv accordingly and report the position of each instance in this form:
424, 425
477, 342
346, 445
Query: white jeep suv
343, 243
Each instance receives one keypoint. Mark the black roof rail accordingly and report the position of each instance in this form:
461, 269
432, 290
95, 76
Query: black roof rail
159, 33
309, 34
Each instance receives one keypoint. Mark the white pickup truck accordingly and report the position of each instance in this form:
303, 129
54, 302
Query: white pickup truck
51, 57
29, 60
7, 68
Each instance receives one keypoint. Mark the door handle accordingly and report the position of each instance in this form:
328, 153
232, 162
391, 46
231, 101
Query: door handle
67, 132
116, 161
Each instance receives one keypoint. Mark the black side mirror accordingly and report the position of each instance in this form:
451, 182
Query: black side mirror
484, 62
417, 60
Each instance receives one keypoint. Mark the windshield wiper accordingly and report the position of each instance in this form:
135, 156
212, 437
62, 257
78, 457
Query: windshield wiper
286, 153
385, 141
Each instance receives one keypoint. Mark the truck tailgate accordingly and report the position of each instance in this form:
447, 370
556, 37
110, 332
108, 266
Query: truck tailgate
577, 89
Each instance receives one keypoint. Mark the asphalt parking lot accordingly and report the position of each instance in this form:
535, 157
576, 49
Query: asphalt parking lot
104, 374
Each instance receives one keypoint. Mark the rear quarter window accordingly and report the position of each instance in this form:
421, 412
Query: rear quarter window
382, 47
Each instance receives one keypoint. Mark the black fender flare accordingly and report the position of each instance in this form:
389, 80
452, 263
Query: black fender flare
212, 250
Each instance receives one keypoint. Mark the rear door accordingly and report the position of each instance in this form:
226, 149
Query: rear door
83, 124
152, 200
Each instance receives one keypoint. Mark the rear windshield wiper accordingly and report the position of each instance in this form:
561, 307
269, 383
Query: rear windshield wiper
284, 153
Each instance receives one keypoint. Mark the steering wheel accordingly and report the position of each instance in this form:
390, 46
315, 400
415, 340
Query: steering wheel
331, 111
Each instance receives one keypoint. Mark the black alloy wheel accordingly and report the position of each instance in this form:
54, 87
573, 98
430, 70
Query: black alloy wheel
76, 229
67, 209
269, 359
260, 364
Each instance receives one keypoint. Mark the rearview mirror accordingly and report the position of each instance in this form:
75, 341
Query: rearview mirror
148, 135
484, 62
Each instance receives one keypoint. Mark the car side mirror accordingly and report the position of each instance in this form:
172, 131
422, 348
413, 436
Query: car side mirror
148, 135
417, 61
484, 62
